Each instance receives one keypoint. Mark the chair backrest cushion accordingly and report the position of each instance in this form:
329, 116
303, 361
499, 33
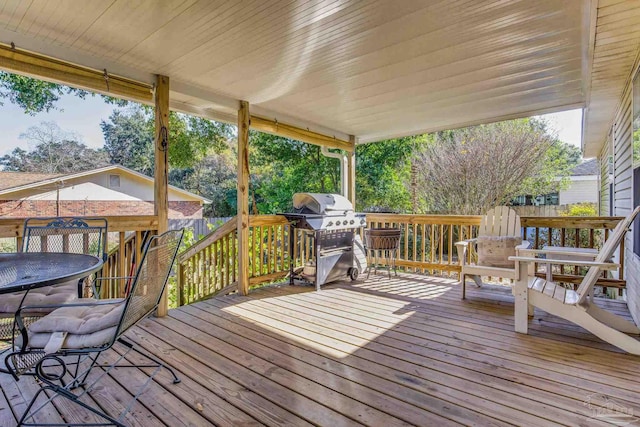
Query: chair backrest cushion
494, 251
500, 221
47, 295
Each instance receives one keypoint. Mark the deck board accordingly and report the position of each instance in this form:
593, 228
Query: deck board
393, 352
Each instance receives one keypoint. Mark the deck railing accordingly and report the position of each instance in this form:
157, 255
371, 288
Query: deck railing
575, 232
428, 242
124, 239
210, 266
427, 246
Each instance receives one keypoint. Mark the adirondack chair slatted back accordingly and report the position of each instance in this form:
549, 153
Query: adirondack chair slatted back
500, 221
605, 254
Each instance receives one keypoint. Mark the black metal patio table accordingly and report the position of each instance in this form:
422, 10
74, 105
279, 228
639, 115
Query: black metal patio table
23, 271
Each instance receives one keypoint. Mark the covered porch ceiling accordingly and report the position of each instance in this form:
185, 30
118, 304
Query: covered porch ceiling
369, 69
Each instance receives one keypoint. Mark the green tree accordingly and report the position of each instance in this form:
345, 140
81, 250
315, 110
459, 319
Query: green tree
200, 157
128, 139
382, 171
55, 151
281, 167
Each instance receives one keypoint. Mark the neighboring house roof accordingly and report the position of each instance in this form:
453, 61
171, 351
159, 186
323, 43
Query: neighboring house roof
12, 182
18, 179
588, 167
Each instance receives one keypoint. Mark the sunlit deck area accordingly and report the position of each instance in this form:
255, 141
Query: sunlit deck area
385, 352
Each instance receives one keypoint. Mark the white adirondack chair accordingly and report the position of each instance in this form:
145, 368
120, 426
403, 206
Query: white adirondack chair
500, 221
576, 306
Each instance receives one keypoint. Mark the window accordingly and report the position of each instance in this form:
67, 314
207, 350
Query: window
636, 159
114, 181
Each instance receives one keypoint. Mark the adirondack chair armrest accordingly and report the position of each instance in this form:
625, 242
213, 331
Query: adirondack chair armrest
465, 243
462, 248
602, 265
561, 252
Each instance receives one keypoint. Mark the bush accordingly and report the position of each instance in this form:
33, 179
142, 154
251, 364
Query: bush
580, 209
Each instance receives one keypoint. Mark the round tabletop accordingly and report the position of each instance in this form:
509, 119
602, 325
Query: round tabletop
28, 270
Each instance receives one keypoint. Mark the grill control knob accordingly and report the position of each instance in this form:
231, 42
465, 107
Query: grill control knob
330, 223
362, 221
351, 222
337, 222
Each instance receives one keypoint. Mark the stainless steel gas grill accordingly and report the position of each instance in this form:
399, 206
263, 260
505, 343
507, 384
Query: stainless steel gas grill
333, 224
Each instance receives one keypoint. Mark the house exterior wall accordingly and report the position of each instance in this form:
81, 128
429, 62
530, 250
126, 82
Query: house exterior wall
623, 194
130, 185
92, 195
604, 193
581, 189
30, 208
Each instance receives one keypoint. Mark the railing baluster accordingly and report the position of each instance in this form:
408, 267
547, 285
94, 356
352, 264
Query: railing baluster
450, 246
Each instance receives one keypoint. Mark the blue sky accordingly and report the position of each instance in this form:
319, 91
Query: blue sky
83, 118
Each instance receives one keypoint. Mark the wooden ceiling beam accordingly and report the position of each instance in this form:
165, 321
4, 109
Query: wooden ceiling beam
56, 71
293, 132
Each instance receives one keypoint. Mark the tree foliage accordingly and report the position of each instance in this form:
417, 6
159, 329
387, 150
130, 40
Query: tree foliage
200, 157
382, 173
35, 96
464, 171
281, 167
128, 139
470, 170
55, 151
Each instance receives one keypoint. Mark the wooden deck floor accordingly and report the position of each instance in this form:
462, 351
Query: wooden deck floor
405, 351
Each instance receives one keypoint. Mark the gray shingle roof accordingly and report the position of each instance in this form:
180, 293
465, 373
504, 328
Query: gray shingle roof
588, 167
17, 179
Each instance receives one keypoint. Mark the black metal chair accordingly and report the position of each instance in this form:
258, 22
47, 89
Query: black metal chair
86, 328
53, 234
67, 234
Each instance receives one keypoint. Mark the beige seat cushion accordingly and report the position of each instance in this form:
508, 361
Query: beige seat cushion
86, 326
494, 251
52, 295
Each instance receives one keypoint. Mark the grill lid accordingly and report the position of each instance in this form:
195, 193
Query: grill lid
321, 203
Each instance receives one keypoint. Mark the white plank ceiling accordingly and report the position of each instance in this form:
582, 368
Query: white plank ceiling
373, 68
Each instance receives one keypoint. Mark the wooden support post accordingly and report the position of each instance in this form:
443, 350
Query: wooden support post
161, 171
243, 198
351, 172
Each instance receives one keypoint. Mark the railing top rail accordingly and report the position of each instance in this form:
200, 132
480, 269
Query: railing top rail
430, 219
13, 227
606, 222
207, 240
257, 220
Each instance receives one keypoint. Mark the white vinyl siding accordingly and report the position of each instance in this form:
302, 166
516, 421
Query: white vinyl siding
604, 193
584, 190
623, 195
